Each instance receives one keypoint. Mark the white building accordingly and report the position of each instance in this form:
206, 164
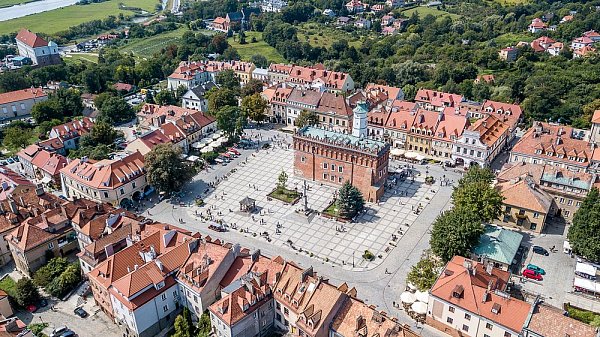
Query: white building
481, 142
195, 98
40, 51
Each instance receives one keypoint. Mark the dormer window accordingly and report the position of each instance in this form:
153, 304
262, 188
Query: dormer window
458, 291
538, 151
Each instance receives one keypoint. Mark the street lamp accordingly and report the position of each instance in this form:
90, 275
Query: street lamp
352, 259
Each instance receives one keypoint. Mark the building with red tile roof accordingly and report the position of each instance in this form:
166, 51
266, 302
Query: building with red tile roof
437, 100
583, 52
481, 142
40, 51
70, 132
18, 103
124, 87
398, 124
470, 298
116, 181
541, 44
553, 144
449, 129
548, 321
146, 142
391, 93
277, 96
313, 77
376, 120
581, 42
537, 25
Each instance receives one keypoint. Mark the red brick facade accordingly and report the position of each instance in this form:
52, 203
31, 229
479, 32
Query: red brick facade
331, 163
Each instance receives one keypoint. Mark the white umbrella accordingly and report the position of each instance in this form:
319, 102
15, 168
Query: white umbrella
193, 158
419, 157
410, 155
198, 145
397, 152
422, 296
206, 149
411, 287
419, 308
407, 297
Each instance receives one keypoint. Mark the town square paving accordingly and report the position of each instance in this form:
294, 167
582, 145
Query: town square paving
379, 282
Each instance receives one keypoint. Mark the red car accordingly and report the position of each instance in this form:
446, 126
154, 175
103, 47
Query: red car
528, 273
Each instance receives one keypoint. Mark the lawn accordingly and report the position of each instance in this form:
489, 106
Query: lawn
584, 315
259, 47
322, 36
81, 57
9, 3
511, 39
423, 11
285, 195
146, 47
8, 285
332, 210
61, 19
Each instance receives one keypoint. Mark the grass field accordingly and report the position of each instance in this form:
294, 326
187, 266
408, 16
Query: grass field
81, 57
8, 3
423, 11
146, 47
260, 47
510, 39
320, 36
61, 19
8, 285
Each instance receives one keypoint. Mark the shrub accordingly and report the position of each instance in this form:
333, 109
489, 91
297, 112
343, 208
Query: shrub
368, 256
66, 281
50, 271
26, 292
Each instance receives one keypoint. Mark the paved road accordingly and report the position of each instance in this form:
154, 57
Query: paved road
380, 286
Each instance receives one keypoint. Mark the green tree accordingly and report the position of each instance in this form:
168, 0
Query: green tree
165, 97
259, 61
67, 280
282, 180
350, 201
165, 169
101, 133
455, 232
476, 194
204, 326
231, 120
220, 98
116, 111
253, 86
228, 79
254, 107
45, 111
26, 292
183, 324
423, 274
584, 234
51, 270
16, 138
98, 152
307, 118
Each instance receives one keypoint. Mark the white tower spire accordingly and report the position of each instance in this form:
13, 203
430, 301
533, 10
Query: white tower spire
359, 122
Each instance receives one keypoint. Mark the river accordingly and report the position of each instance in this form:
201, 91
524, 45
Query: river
18, 11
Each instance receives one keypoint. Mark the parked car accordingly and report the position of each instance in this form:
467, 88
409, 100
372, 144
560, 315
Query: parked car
528, 273
3, 162
540, 250
68, 333
80, 312
10, 161
59, 331
536, 269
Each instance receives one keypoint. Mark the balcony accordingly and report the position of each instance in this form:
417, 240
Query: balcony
520, 215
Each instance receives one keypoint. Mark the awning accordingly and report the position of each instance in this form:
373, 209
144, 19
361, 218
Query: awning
419, 308
588, 285
585, 268
407, 297
411, 155
46, 180
397, 152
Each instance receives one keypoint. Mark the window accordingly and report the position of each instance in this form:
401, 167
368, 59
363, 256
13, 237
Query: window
325, 176
164, 297
14, 108
106, 194
488, 326
277, 305
507, 209
465, 327
51, 245
567, 213
133, 184
570, 202
340, 169
165, 308
22, 106
507, 334
340, 179
333, 167
324, 165
303, 159
485, 335
578, 204
278, 317
536, 215
195, 298
449, 320
122, 191
451, 309
286, 311
467, 317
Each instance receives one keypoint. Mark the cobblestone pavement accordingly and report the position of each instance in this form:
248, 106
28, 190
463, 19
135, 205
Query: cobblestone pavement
379, 283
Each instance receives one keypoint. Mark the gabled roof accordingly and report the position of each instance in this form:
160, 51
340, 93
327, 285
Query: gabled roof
29, 236
464, 283
9, 180
31, 39
498, 244
107, 173
21, 95
73, 129
335, 103
524, 193
402, 115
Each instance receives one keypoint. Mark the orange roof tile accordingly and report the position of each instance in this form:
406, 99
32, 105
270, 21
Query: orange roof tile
31, 39
21, 95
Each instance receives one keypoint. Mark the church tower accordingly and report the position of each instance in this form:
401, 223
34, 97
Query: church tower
359, 122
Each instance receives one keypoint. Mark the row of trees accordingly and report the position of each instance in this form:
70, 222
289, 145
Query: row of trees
456, 231
58, 276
